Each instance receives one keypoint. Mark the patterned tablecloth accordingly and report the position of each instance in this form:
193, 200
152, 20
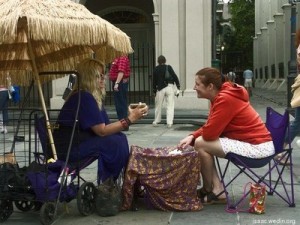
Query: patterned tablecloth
169, 176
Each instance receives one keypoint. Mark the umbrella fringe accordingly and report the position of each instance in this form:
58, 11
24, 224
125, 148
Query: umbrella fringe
61, 33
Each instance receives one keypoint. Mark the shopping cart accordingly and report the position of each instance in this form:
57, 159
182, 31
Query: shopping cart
33, 180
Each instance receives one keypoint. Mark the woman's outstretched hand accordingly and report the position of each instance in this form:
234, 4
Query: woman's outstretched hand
186, 142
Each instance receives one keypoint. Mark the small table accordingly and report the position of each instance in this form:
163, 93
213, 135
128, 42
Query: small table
169, 176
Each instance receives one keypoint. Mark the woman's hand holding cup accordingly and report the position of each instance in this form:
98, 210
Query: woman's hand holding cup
137, 111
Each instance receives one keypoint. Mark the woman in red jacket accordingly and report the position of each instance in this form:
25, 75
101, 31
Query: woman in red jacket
233, 125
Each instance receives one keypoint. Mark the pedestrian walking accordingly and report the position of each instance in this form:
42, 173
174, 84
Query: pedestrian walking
248, 76
165, 86
5, 95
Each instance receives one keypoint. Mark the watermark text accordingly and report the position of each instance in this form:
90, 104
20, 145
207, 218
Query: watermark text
274, 221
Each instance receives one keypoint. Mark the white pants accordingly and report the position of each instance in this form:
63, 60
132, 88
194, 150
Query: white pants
248, 82
166, 94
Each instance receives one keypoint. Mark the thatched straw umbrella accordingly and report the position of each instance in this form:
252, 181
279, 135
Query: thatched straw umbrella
52, 35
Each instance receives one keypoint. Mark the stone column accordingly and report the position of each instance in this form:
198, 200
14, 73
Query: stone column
170, 32
197, 33
278, 38
271, 55
264, 52
157, 35
286, 8
260, 48
255, 60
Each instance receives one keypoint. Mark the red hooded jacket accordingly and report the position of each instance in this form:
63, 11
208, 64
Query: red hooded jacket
232, 116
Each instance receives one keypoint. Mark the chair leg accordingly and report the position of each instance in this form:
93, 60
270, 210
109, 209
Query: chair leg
290, 195
225, 186
292, 204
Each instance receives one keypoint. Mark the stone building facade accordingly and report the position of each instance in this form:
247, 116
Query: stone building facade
273, 42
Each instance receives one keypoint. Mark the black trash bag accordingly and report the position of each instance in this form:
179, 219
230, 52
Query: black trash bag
8, 175
108, 198
12, 178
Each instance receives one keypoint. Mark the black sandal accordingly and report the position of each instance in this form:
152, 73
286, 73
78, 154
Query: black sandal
201, 193
211, 198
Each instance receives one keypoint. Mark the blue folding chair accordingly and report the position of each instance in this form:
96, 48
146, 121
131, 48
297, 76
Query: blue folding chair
273, 176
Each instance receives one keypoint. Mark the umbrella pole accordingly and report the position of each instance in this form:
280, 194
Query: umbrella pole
37, 79
48, 125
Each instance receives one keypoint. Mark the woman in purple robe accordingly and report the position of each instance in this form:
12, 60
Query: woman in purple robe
95, 136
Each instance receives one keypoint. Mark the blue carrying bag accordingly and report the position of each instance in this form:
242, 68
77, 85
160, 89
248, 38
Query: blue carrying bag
15, 95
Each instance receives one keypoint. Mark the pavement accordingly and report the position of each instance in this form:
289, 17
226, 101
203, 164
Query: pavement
145, 135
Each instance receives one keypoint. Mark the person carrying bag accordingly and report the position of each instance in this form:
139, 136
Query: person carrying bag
5, 95
165, 81
169, 79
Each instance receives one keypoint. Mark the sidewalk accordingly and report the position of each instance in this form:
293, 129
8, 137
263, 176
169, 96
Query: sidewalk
146, 135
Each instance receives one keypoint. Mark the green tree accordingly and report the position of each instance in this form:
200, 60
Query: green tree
243, 24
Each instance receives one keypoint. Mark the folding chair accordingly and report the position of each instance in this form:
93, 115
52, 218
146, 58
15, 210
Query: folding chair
273, 176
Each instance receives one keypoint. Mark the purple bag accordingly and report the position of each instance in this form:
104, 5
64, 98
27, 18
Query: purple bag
44, 180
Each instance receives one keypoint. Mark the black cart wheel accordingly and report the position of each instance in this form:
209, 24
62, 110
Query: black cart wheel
24, 206
47, 213
6, 209
86, 198
37, 206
